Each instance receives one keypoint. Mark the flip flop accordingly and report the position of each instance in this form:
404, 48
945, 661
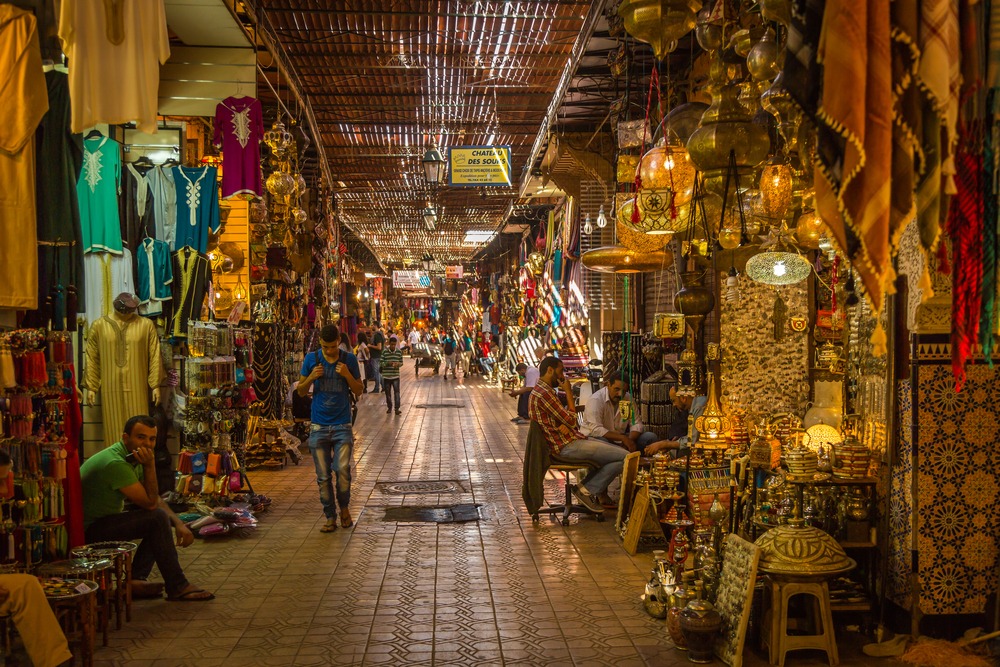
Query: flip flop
187, 596
346, 522
329, 526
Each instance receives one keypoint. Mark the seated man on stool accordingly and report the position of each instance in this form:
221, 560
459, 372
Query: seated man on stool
560, 427
530, 376
690, 408
126, 469
602, 420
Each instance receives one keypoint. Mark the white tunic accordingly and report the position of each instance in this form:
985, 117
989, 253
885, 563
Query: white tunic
115, 48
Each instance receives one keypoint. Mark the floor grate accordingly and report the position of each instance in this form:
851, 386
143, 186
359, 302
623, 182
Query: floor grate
424, 486
448, 514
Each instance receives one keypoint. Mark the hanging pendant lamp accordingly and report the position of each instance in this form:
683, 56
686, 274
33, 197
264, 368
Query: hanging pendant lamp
621, 260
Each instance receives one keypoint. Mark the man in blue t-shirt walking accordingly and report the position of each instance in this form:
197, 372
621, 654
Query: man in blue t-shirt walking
336, 375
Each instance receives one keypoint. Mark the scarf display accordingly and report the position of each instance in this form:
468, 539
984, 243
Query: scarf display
939, 80
854, 141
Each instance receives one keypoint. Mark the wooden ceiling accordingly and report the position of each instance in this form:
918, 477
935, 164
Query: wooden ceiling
386, 79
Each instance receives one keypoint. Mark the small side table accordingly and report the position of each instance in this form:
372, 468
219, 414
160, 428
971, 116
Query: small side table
98, 570
121, 554
74, 603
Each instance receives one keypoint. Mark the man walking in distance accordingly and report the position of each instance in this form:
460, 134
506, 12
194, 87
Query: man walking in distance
392, 361
375, 349
450, 356
331, 440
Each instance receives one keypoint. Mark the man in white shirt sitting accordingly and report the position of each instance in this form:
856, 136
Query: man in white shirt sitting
602, 420
530, 376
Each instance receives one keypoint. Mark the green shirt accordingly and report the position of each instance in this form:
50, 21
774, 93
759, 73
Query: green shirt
388, 357
103, 476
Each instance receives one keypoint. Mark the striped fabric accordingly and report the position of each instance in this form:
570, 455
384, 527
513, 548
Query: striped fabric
388, 358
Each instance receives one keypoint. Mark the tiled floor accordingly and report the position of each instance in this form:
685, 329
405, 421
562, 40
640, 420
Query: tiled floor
497, 592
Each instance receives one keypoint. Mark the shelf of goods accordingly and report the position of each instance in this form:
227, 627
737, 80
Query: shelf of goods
40, 426
217, 383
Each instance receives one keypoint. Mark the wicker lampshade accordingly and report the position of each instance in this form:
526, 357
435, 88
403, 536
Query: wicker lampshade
639, 242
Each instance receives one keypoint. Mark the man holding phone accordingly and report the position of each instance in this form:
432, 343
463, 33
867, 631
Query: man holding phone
391, 362
336, 376
564, 438
127, 470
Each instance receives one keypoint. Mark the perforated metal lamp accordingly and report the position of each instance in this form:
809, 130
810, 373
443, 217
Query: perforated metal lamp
434, 166
778, 268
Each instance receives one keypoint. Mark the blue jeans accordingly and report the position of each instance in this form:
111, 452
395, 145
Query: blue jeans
389, 386
332, 449
377, 374
646, 439
610, 457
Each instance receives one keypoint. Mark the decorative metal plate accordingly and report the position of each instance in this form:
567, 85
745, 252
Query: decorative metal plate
424, 486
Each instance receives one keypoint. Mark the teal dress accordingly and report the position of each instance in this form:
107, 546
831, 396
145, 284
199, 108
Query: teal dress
97, 192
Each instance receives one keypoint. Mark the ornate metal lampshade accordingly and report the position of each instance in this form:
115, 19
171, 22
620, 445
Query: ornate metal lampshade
619, 259
713, 426
802, 552
659, 23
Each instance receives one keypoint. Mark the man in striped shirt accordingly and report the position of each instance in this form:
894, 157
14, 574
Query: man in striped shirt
564, 438
390, 363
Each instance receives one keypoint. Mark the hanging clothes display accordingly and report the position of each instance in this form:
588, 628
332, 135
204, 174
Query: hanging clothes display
155, 269
97, 191
108, 275
123, 366
197, 206
192, 273
136, 205
59, 155
239, 126
115, 49
22, 85
164, 190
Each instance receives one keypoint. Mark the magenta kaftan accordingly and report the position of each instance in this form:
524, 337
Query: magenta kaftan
239, 127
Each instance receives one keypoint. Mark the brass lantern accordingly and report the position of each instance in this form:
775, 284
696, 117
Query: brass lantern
659, 23
618, 259
667, 184
727, 128
777, 181
713, 425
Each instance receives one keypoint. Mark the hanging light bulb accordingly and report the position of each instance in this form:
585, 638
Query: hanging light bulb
602, 220
587, 227
732, 286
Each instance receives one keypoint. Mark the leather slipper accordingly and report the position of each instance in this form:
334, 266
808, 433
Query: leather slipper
145, 590
346, 520
329, 526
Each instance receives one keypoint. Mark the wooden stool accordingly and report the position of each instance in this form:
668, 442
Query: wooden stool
75, 607
121, 554
776, 636
100, 571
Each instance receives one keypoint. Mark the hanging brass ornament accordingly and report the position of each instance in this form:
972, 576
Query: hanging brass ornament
667, 178
727, 127
809, 230
619, 259
777, 181
536, 263
639, 242
659, 23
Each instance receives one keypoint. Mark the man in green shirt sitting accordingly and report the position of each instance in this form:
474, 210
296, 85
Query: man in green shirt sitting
126, 470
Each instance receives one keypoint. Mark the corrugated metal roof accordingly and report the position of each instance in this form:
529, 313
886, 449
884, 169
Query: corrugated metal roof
386, 79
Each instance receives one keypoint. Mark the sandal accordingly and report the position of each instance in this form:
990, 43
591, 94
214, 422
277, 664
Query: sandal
345, 519
192, 595
329, 526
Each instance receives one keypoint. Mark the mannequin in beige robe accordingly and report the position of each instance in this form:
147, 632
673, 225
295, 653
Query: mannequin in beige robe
23, 89
123, 365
